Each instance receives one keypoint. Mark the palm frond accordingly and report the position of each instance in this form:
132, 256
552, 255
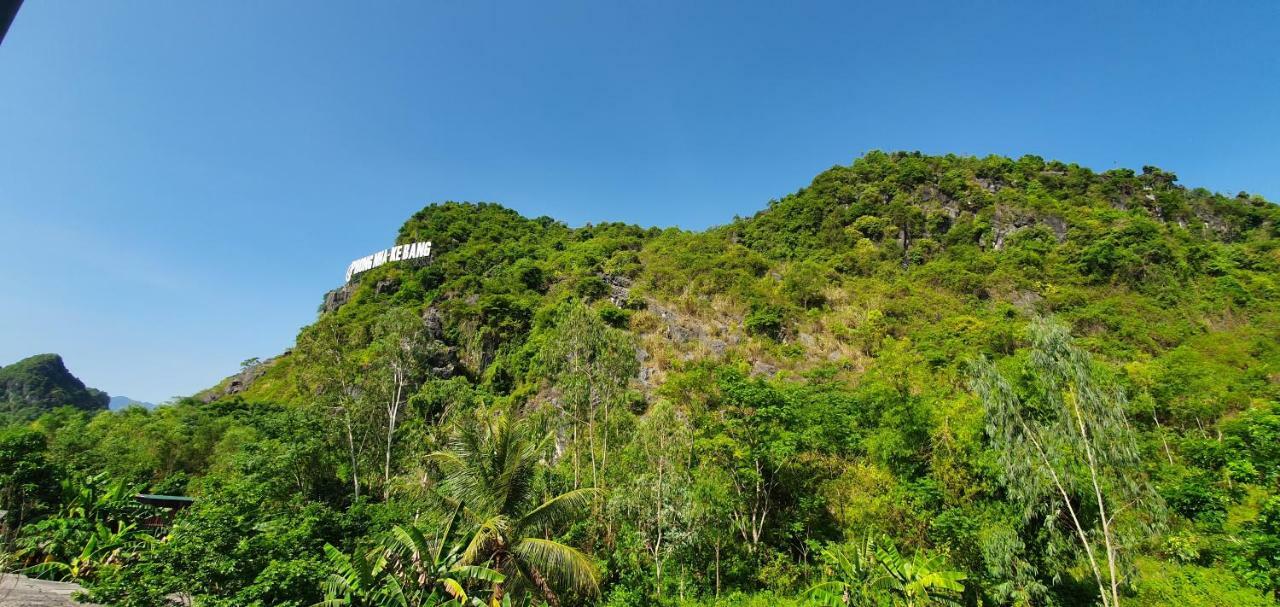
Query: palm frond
476, 549
446, 536
559, 509
564, 565
446, 459
476, 572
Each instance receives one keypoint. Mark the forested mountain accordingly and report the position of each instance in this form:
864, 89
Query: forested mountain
919, 380
39, 383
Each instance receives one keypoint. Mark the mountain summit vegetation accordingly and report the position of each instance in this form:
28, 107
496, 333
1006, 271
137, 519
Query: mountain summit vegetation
42, 382
919, 380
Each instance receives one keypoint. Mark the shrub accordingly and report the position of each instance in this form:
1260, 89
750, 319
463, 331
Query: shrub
765, 320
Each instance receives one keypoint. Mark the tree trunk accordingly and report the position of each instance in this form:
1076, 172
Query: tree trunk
1102, 509
351, 450
717, 570
657, 516
1163, 439
577, 476
591, 439
1066, 500
499, 589
393, 414
544, 587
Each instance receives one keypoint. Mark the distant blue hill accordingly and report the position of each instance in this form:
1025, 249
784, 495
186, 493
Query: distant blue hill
120, 402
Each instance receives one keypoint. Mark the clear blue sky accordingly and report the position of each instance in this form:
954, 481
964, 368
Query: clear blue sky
180, 182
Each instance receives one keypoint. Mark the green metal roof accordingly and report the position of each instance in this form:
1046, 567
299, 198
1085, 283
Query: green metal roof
168, 501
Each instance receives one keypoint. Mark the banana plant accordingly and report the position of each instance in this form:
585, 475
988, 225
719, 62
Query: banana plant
93, 497
920, 580
856, 577
95, 526
104, 546
873, 573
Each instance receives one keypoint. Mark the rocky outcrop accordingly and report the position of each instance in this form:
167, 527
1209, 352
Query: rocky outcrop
619, 289
335, 298
241, 381
1008, 221
433, 323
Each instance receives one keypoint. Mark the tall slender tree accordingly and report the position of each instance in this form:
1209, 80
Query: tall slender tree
590, 364
400, 349
658, 494
1064, 443
332, 376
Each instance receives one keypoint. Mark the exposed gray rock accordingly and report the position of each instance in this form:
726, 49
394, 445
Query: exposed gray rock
1002, 230
680, 333
1058, 225
619, 289
336, 298
1025, 300
760, 367
1008, 222
717, 347
432, 322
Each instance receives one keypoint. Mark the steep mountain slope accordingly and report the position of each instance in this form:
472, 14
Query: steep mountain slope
939, 255
809, 368
38, 383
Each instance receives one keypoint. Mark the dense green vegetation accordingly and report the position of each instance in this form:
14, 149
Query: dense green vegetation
920, 380
38, 383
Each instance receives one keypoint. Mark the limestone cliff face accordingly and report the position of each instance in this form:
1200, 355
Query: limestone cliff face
335, 298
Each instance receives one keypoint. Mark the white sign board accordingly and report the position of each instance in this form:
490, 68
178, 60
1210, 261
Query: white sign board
401, 252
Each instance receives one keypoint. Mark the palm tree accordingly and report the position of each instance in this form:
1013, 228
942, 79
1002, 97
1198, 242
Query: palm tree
491, 466
405, 570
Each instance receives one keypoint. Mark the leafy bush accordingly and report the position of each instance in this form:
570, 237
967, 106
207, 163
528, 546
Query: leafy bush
765, 320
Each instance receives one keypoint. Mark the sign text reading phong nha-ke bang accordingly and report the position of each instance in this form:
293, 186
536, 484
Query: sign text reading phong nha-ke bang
402, 252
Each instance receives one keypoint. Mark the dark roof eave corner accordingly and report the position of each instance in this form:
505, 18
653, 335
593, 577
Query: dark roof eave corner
164, 501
